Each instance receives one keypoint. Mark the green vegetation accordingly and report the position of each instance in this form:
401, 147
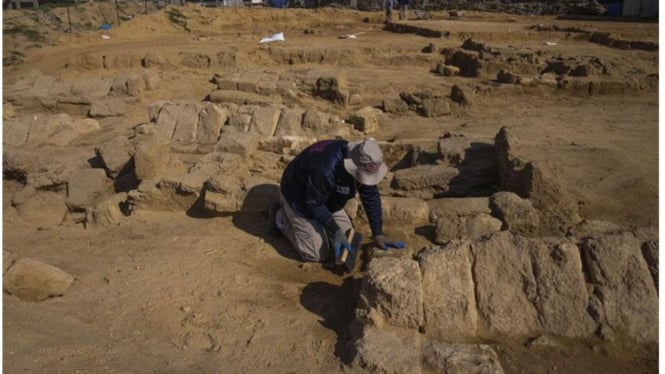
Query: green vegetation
30, 33
177, 18
13, 58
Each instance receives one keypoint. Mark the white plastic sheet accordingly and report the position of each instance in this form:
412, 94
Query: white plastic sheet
279, 37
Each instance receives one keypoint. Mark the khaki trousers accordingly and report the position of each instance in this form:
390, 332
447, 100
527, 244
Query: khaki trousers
308, 236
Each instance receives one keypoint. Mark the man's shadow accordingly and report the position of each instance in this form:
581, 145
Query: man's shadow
336, 306
253, 218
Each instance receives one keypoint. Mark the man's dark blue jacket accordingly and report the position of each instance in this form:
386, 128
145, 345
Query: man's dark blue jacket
316, 184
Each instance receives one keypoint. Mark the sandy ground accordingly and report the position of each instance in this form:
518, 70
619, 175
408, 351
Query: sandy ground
169, 293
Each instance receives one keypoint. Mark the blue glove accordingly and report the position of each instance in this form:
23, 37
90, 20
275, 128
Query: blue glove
385, 242
339, 243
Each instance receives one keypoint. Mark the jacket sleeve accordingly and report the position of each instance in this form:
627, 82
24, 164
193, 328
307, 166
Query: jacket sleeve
319, 187
371, 200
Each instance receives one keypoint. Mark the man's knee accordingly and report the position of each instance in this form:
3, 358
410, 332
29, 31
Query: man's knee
313, 248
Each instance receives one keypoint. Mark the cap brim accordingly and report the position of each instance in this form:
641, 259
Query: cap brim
363, 178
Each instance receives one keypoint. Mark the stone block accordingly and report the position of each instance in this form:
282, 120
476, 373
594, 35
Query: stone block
389, 351
15, 131
452, 226
33, 280
518, 215
115, 154
404, 210
424, 177
449, 301
212, 118
290, 122
395, 105
366, 120
393, 288
626, 298
107, 107
524, 286
109, 211
238, 142
154, 160
435, 107
86, 187
221, 203
59, 129
462, 358
264, 120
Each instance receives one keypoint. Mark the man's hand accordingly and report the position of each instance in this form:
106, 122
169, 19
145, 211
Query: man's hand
340, 242
385, 242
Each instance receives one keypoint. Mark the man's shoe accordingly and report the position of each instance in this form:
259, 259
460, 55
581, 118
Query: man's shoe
272, 219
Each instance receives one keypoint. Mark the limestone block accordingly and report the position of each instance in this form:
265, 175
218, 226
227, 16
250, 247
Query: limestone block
623, 286
536, 181
507, 77
212, 118
424, 176
404, 210
395, 105
467, 61
459, 206
109, 211
290, 122
313, 121
450, 71
505, 286
453, 148
529, 285
435, 107
33, 280
15, 131
226, 81
115, 154
153, 160
238, 142
151, 81
389, 351
177, 121
221, 203
219, 163
452, 226
107, 107
49, 175
224, 184
288, 144
185, 184
393, 287
59, 129
449, 301
461, 96
333, 88
86, 187
187, 122
240, 121
562, 294
241, 98
462, 358
366, 120
264, 120
40, 208
517, 214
